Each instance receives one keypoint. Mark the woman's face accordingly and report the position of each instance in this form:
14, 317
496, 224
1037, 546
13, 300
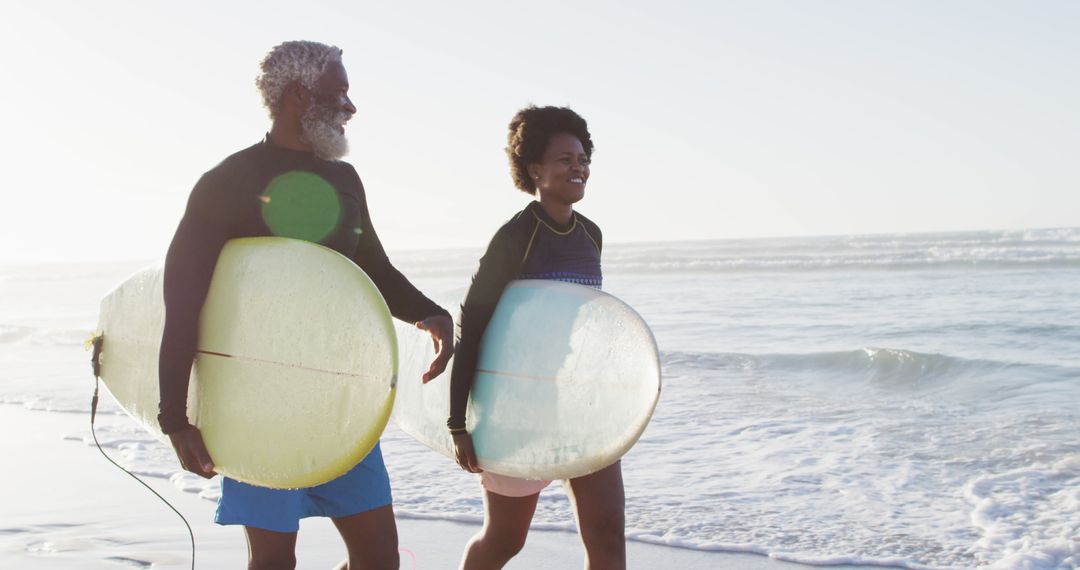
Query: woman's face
561, 174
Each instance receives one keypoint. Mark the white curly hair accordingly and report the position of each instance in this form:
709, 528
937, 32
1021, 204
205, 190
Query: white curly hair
301, 61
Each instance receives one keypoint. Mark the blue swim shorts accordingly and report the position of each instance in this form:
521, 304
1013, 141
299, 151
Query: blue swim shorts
363, 488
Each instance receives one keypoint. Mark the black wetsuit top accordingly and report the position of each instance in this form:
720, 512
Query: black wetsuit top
266, 190
529, 246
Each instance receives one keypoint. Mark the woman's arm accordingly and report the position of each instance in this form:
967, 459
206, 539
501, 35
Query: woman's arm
498, 267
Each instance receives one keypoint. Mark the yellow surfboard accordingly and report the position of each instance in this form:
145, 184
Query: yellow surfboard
295, 374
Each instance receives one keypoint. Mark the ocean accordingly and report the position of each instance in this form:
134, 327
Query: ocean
908, 400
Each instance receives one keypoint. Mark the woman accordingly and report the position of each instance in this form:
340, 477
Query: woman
549, 150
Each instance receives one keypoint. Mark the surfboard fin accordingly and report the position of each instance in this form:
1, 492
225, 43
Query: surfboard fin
94, 342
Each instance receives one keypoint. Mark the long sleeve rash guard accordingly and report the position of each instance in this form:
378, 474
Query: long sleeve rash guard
266, 190
529, 246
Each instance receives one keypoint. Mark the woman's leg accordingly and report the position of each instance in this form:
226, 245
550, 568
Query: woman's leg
270, 550
506, 524
599, 501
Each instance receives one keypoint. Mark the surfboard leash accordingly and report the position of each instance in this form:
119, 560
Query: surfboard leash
95, 342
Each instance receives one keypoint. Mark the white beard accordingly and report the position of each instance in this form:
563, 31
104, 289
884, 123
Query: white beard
319, 128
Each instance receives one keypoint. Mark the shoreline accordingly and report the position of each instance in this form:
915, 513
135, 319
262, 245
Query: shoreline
67, 507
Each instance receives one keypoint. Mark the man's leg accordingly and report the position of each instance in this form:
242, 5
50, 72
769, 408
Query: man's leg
599, 504
270, 550
259, 510
371, 539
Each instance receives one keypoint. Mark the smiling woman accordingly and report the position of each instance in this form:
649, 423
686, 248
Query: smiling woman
549, 150
544, 136
560, 175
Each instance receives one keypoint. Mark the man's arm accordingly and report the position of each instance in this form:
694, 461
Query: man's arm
405, 301
189, 266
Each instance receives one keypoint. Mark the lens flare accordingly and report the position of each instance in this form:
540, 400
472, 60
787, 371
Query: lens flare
300, 205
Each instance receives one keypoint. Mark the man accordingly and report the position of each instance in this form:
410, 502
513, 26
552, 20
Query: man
305, 89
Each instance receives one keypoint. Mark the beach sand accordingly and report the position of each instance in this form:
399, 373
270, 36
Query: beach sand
65, 506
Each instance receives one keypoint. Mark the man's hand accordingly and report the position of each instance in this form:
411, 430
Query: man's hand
442, 336
465, 454
191, 451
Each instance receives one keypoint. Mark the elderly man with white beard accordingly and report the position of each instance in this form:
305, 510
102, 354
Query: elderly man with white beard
290, 184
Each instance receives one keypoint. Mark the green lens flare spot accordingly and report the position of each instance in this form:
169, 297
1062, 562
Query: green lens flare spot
300, 205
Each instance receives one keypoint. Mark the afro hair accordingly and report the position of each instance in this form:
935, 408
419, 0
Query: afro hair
530, 131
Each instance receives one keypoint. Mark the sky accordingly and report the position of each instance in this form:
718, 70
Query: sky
711, 120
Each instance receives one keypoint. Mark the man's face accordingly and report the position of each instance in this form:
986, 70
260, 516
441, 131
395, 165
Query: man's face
323, 123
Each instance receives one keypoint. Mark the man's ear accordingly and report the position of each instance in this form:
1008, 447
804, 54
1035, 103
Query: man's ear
297, 94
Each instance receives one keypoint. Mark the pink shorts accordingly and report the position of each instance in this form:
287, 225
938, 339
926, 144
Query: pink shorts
511, 486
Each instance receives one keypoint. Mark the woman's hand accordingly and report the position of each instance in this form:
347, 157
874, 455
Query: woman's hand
465, 454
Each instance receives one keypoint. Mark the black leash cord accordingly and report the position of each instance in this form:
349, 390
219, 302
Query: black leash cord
97, 342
